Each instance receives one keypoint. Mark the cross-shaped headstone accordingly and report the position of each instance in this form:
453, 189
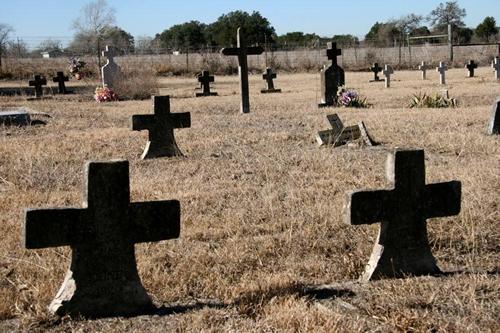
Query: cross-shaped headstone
102, 279
110, 71
205, 78
494, 127
442, 68
161, 127
423, 67
332, 77
375, 69
388, 71
340, 135
495, 64
402, 247
269, 75
60, 79
471, 65
37, 82
242, 51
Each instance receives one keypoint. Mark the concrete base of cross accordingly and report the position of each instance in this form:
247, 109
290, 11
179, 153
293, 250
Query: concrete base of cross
200, 94
270, 91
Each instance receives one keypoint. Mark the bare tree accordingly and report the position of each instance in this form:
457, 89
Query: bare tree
5, 31
96, 16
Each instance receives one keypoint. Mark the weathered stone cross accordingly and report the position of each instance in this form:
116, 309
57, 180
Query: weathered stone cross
60, 79
376, 69
102, 279
388, 71
442, 70
494, 127
38, 82
402, 247
269, 75
205, 78
495, 64
471, 65
161, 126
423, 67
340, 135
242, 51
332, 77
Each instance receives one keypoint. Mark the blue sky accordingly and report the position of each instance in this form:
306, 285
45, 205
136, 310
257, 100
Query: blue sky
35, 20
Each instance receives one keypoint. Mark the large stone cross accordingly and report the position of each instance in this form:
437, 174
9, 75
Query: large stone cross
402, 247
388, 71
37, 82
494, 126
242, 51
376, 69
102, 279
161, 126
339, 135
471, 65
269, 75
332, 77
442, 68
60, 78
110, 72
423, 67
205, 78
495, 64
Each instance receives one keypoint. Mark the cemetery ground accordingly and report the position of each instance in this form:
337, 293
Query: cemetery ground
263, 244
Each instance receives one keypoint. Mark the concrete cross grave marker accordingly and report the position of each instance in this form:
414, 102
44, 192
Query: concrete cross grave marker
111, 72
204, 79
496, 67
242, 51
376, 69
494, 127
161, 127
269, 75
471, 65
60, 79
332, 77
423, 67
442, 68
340, 135
102, 280
402, 247
37, 82
388, 71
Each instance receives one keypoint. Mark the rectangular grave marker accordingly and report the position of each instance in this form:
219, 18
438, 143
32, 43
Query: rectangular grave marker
494, 126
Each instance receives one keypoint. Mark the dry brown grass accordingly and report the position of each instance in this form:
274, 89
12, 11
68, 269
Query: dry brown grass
261, 208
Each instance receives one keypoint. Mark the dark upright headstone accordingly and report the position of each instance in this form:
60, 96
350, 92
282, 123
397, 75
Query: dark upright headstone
471, 66
494, 126
204, 79
102, 279
495, 64
161, 127
269, 75
402, 247
242, 51
60, 79
37, 82
376, 69
332, 77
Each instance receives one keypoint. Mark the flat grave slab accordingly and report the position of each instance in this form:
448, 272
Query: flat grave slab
20, 116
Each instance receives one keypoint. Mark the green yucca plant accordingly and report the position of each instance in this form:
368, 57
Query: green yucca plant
423, 100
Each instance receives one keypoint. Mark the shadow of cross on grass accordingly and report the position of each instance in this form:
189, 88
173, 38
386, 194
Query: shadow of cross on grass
102, 280
161, 127
402, 247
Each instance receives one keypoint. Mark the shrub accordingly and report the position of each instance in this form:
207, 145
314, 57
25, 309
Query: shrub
423, 100
137, 84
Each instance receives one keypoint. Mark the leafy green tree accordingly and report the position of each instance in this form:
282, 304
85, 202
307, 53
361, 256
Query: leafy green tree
487, 29
121, 40
296, 38
345, 40
445, 14
190, 34
254, 27
382, 34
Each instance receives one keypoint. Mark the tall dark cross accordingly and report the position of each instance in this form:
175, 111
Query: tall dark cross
269, 75
494, 126
37, 82
402, 247
161, 127
376, 69
242, 51
102, 279
205, 78
332, 77
471, 66
60, 79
